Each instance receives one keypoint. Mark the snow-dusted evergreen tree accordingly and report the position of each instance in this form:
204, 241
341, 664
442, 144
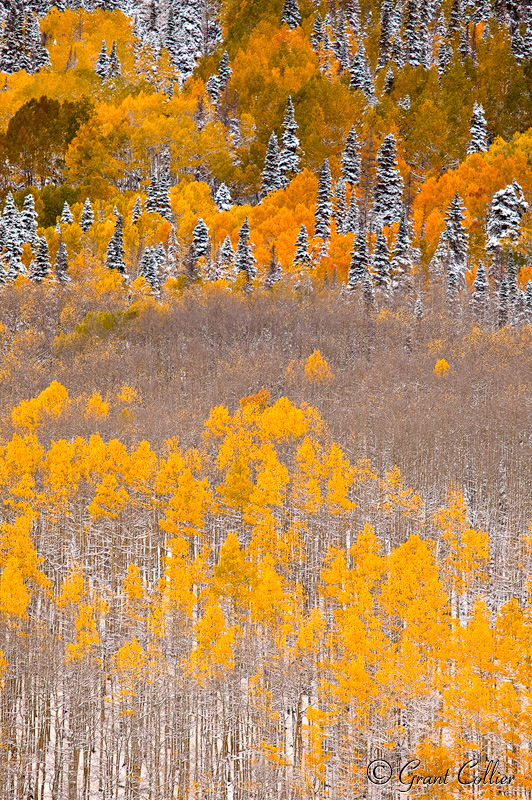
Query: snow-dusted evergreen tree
61, 263
152, 200
513, 289
200, 239
413, 42
340, 211
302, 257
228, 258
453, 284
223, 198
351, 162
418, 308
387, 196
115, 248
275, 271
481, 290
316, 37
224, 71
361, 77
103, 65
12, 44
353, 216
87, 216
506, 209
359, 260
115, 68
456, 235
149, 269
67, 217
212, 87
389, 80
36, 54
28, 219
368, 293
244, 258
137, 211
323, 214
386, 21
40, 267
289, 156
271, 174
401, 263
381, 262
163, 195
291, 14
478, 130
456, 17
503, 303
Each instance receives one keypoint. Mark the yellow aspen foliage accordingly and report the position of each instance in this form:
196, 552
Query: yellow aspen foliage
398, 497
183, 576
110, 499
213, 654
14, 594
271, 480
310, 633
284, 421
234, 576
306, 484
49, 403
3, 668
128, 395
442, 368
130, 667
16, 543
96, 407
316, 369
141, 469
62, 472
87, 637
186, 510
72, 589
269, 604
133, 586
338, 474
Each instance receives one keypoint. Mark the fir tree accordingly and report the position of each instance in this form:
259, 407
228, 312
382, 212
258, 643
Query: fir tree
389, 80
504, 216
271, 174
149, 268
12, 41
162, 199
244, 258
414, 52
322, 226
40, 267
137, 211
353, 216
418, 308
275, 271
227, 255
503, 303
456, 235
340, 213
291, 14
200, 239
368, 293
359, 260
401, 264
361, 74
351, 163
28, 219
389, 186
480, 291
381, 262
316, 37
152, 200
478, 130
102, 66
212, 87
289, 156
87, 216
115, 248
223, 198
224, 71
386, 15
302, 258
115, 67
66, 215
61, 263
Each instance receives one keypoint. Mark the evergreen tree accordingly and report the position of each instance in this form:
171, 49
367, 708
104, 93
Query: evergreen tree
61, 263
291, 14
361, 74
162, 199
316, 37
386, 14
289, 156
413, 42
200, 239
34, 50
227, 257
480, 291
66, 215
152, 200
137, 211
453, 283
275, 271
28, 221
115, 248
503, 303
223, 198
504, 216
479, 134
359, 260
401, 264
244, 258
115, 67
103, 65
353, 216
340, 213
12, 41
271, 174
212, 87
322, 226
389, 186
87, 216
381, 262
149, 268
40, 267
351, 163
456, 235
456, 18
368, 293
418, 308
528, 302
389, 80
302, 258
224, 71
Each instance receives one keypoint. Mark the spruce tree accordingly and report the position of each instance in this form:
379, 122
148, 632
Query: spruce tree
418, 308
361, 74
291, 14
368, 293
40, 267
381, 262
212, 87
66, 215
149, 269
87, 216
478, 130
353, 216
28, 219
114, 64
359, 260
200, 239
152, 200
223, 198
115, 248
162, 199
137, 211
322, 226
12, 41
503, 303
388, 191
275, 271
271, 174
401, 263
480, 291
351, 162
61, 263
224, 71
504, 216
340, 212
289, 156
456, 235
302, 257
227, 255
386, 14
413, 43
244, 258
316, 37
528, 302
103, 65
